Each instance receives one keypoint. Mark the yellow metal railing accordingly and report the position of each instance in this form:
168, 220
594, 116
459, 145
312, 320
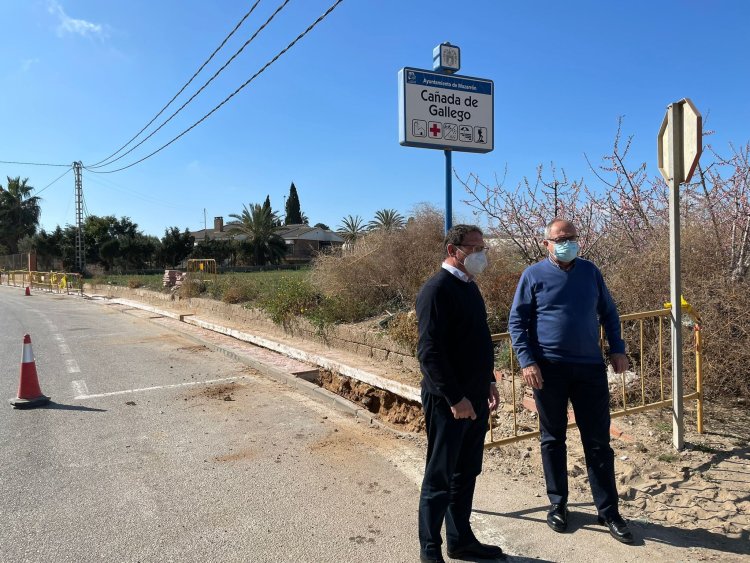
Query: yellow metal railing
203, 269
641, 389
56, 282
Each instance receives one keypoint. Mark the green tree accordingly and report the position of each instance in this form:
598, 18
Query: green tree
175, 247
258, 225
267, 206
387, 220
109, 250
219, 250
293, 211
351, 228
19, 212
49, 249
134, 250
322, 226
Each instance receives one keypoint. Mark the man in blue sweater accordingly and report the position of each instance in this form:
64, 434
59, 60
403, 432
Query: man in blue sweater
554, 323
456, 358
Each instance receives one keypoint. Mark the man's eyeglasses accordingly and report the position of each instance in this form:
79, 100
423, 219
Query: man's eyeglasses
474, 248
560, 240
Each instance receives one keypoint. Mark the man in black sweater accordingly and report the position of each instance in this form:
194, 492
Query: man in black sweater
458, 390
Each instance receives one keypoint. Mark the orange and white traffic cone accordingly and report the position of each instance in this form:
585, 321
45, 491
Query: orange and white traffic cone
28, 290
29, 393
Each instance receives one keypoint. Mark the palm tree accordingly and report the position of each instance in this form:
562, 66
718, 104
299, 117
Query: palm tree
19, 213
351, 228
259, 225
387, 220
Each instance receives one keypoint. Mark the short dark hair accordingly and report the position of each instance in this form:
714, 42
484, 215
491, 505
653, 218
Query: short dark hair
457, 233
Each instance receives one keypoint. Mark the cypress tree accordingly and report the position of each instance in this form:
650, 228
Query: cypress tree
293, 212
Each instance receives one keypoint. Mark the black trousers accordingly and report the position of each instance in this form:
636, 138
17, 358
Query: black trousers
454, 459
585, 385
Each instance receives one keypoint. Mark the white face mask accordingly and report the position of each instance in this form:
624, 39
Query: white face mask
476, 262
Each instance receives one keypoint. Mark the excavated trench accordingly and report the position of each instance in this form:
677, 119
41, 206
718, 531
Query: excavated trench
403, 414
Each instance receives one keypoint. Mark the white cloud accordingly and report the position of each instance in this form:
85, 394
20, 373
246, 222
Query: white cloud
75, 26
26, 64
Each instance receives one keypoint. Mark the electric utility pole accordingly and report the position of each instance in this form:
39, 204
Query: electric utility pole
80, 250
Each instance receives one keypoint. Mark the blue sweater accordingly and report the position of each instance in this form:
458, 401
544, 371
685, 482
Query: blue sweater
455, 345
556, 314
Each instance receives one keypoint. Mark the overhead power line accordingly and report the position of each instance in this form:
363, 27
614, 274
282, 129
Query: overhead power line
55, 180
248, 81
273, 15
30, 163
197, 72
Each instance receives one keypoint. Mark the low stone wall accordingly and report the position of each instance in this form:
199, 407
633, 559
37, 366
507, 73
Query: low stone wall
360, 339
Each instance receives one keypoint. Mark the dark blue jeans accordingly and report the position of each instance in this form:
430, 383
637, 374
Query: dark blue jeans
585, 385
454, 459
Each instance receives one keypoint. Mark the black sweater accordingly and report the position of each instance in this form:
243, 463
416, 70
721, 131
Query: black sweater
455, 347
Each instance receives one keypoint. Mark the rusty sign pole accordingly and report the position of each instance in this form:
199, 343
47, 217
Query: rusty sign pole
679, 147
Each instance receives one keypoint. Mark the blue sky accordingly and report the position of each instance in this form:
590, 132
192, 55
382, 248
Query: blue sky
81, 77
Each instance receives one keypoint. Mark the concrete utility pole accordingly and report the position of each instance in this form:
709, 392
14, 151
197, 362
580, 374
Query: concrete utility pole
80, 248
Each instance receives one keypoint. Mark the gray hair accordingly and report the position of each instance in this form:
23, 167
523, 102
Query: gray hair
548, 228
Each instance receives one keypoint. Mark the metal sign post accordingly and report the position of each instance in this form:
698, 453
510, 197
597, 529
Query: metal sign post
448, 190
679, 148
442, 110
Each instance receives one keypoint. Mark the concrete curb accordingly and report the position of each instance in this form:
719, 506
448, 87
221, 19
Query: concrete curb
406, 391
309, 389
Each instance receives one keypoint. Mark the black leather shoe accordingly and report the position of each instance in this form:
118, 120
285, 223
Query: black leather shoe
476, 549
438, 559
618, 528
557, 517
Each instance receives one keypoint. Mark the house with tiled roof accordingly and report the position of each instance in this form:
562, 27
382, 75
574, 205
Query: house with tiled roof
303, 242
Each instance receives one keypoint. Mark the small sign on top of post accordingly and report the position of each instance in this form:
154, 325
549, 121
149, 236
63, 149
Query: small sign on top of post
687, 132
679, 147
446, 58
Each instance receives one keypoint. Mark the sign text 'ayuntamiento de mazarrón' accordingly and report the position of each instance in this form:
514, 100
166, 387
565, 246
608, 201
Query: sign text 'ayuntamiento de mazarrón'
442, 111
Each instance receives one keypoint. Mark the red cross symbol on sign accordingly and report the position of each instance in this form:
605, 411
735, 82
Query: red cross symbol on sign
435, 129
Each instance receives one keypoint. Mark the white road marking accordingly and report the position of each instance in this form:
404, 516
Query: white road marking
130, 391
58, 337
72, 366
79, 387
64, 349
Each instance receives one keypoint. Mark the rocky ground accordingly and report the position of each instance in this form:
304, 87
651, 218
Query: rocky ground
706, 486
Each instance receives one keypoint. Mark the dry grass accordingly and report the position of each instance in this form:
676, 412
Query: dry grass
383, 270
640, 282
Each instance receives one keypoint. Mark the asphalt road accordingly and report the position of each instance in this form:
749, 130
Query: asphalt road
156, 448
134, 461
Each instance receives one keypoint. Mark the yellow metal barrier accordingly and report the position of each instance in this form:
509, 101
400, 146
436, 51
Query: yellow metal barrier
56, 282
640, 390
203, 269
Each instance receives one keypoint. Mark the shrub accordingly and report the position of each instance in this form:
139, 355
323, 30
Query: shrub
234, 288
294, 297
640, 282
403, 329
239, 294
134, 283
383, 269
498, 285
191, 288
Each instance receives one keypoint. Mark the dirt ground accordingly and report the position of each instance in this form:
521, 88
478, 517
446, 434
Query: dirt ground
706, 486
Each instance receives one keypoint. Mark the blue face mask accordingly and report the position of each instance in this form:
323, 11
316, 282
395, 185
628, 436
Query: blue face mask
566, 251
